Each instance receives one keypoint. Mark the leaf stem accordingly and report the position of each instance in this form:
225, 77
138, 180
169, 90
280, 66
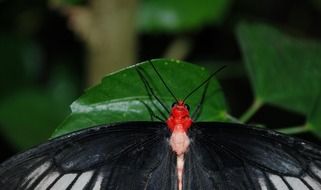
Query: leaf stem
256, 105
232, 118
294, 130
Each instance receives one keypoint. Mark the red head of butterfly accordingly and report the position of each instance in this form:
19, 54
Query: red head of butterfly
179, 119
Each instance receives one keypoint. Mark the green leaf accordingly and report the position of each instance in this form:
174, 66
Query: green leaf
176, 15
122, 96
20, 58
66, 2
29, 117
284, 71
314, 118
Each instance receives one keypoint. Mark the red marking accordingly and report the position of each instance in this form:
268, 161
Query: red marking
179, 122
179, 119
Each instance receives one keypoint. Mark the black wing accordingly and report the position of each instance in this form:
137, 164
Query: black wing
225, 156
127, 156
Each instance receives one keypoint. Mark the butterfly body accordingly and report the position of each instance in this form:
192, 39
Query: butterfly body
179, 122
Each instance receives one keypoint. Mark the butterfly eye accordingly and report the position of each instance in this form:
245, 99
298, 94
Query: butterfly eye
173, 104
187, 106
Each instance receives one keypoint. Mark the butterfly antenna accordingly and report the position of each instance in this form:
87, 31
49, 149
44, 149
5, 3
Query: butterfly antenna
161, 78
204, 82
150, 89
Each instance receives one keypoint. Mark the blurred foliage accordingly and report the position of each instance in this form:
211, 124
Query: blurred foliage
314, 117
67, 2
284, 71
172, 15
32, 104
29, 115
29, 112
178, 16
20, 61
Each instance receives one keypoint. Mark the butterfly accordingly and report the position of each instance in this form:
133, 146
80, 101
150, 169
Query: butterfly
178, 154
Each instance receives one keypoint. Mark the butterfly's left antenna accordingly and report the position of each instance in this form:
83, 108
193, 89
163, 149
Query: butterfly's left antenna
150, 89
161, 78
204, 82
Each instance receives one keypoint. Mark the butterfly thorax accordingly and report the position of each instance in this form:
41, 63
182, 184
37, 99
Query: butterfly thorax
179, 119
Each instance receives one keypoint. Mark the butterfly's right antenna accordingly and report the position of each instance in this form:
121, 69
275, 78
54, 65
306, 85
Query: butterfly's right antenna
204, 82
161, 78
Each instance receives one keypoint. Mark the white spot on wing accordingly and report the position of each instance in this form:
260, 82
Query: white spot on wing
82, 180
262, 183
64, 182
296, 183
316, 170
312, 182
278, 182
32, 177
98, 182
46, 182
